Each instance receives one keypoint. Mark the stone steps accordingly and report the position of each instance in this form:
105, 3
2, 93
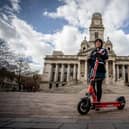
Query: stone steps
65, 89
112, 88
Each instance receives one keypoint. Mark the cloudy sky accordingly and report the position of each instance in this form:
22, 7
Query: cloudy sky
37, 27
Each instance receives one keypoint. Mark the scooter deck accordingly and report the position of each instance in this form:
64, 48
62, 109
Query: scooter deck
106, 104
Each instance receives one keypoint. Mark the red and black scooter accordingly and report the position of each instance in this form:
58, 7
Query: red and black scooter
86, 103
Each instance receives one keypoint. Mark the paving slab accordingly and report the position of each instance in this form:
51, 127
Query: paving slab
74, 126
100, 126
47, 125
19, 125
121, 126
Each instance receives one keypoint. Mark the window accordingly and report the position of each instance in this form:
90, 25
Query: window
96, 35
84, 48
109, 49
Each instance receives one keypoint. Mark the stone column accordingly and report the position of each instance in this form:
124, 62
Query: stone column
107, 72
56, 73
114, 71
78, 73
62, 73
123, 73
50, 72
117, 72
86, 70
74, 72
68, 73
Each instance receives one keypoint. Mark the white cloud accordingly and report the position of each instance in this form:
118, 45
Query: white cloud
68, 40
78, 14
121, 42
22, 38
15, 5
116, 14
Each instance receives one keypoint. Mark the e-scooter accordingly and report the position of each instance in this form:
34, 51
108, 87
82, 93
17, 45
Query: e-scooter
86, 103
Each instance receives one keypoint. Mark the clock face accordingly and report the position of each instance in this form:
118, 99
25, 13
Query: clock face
97, 22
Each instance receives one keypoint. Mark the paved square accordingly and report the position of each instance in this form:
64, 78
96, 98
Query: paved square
40, 110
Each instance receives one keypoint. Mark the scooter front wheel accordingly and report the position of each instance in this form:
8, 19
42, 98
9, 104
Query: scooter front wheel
84, 106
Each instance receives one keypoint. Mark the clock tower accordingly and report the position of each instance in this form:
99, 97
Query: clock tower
96, 28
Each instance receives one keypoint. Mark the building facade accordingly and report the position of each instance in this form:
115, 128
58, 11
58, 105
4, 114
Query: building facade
60, 69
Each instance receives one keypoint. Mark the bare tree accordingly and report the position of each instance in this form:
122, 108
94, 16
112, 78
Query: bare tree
13, 62
23, 69
7, 57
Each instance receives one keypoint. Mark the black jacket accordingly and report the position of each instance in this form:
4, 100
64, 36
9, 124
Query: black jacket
102, 57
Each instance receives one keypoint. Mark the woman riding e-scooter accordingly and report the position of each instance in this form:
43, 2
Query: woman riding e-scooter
102, 54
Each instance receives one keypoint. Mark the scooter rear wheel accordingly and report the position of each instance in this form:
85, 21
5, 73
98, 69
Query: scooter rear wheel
122, 101
84, 106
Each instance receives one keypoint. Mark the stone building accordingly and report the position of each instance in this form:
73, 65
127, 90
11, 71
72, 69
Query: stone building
60, 69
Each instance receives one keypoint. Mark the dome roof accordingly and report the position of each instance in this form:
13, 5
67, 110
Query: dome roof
108, 41
97, 14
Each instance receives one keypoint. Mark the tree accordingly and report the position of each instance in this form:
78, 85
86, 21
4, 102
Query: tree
13, 63
23, 69
7, 57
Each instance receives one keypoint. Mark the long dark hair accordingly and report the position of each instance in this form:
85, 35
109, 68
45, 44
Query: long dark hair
100, 40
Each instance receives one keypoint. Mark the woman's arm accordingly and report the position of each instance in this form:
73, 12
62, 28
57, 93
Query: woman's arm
103, 54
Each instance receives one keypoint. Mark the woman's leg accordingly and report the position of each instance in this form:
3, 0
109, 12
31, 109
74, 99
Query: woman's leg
99, 90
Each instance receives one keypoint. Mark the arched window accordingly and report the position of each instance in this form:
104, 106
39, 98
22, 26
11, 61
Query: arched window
84, 48
109, 49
